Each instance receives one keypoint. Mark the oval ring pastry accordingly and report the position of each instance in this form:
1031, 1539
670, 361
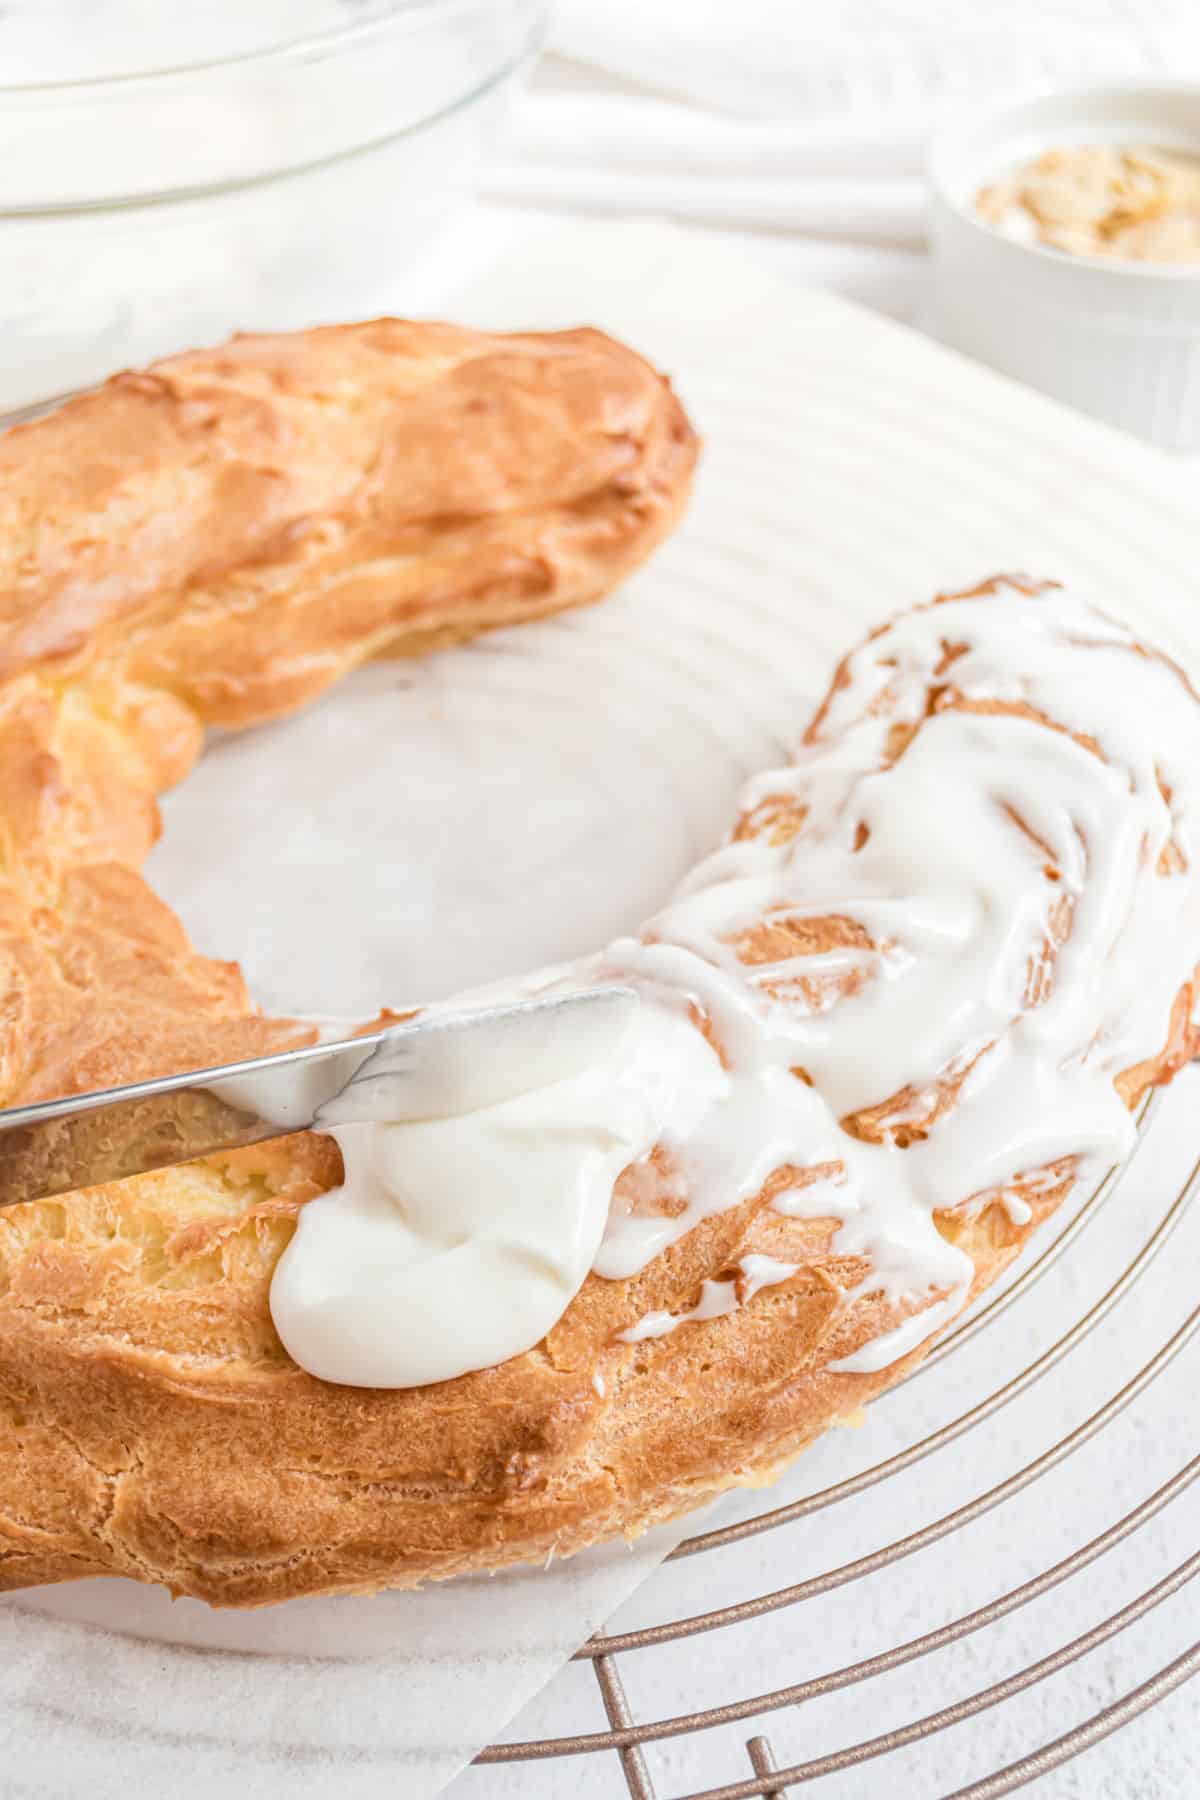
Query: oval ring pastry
884, 1029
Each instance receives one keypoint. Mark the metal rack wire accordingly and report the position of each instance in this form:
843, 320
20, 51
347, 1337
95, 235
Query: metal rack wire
625, 1737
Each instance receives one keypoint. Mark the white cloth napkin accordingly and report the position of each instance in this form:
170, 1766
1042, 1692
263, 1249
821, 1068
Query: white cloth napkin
793, 130
783, 58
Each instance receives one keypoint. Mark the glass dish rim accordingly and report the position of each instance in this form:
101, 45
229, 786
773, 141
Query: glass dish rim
396, 15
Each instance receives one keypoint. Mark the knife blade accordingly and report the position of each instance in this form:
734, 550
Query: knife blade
429, 1067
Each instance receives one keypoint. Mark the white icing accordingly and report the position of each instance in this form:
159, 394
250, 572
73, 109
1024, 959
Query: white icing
455, 1244
890, 1346
956, 896
759, 1271
716, 1298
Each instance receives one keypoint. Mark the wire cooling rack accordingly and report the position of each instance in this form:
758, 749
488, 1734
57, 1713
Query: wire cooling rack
626, 1737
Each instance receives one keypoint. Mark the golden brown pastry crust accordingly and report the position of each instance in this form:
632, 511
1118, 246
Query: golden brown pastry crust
229, 557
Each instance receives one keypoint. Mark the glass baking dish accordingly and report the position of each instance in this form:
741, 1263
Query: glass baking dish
284, 163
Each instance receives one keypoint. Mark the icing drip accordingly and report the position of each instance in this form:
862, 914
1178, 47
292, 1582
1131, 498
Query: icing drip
716, 1298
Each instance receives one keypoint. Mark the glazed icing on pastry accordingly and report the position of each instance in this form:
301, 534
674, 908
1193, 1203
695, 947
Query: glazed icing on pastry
910, 981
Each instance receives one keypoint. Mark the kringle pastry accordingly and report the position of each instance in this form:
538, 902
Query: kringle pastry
882, 1031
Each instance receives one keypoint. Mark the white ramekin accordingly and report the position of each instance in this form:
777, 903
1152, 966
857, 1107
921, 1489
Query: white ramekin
1120, 340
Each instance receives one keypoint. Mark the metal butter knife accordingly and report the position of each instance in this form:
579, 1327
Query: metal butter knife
424, 1068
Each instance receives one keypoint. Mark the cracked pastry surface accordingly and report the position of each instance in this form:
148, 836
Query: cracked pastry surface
151, 1423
